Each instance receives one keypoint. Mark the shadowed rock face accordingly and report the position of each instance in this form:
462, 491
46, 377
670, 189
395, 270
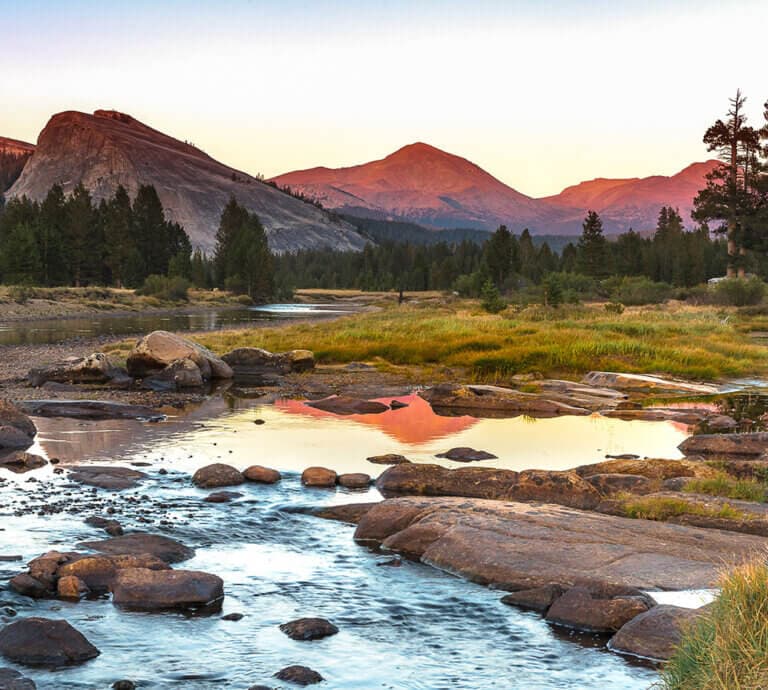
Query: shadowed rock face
108, 149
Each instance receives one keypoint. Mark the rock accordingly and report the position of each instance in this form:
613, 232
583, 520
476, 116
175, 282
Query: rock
253, 362
11, 679
234, 617
183, 373
684, 415
154, 352
754, 444
744, 469
124, 685
155, 590
216, 475
354, 480
138, 543
388, 459
645, 383
44, 642
397, 405
19, 461
566, 488
106, 476
654, 634
582, 609
309, 629
262, 475
98, 573
299, 675
651, 468
608, 484
95, 368
71, 587
537, 599
318, 477
517, 546
222, 496
111, 527
28, 586
341, 405
89, 409
721, 422
17, 431
349, 512
494, 401
464, 454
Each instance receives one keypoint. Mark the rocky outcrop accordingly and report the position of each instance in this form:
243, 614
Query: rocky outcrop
137, 543
644, 383
751, 445
17, 431
160, 349
217, 475
89, 409
342, 405
651, 468
45, 642
156, 590
519, 546
95, 368
654, 634
494, 401
253, 363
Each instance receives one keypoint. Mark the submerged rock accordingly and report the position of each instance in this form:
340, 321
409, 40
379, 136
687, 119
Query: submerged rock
654, 634
154, 352
309, 629
222, 496
45, 642
216, 475
95, 368
389, 459
106, 476
138, 543
299, 675
464, 454
537, 599
318, 477
348, 512
341, 405
156, 590
17, 430
89, 409
11, 679
585, 609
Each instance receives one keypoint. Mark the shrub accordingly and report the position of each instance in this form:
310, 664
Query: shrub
165, 288
491, 301
20, 293
640, 290
739, 292
614, 308
552, 290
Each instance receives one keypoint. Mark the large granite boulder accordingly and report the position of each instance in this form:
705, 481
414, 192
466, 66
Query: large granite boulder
751, 445
180, 374
654, 634
17, 431
44, 642
154, 352
156, 590
217, 475
95, 368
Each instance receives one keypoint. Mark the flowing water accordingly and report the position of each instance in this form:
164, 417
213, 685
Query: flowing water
410, 627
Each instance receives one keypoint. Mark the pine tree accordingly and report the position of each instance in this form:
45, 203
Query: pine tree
498, 255
593, 248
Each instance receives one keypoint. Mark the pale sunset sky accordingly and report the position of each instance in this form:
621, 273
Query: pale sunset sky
541, 94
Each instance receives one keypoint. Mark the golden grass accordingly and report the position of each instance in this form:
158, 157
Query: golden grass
725, 485
694, 343
663, 508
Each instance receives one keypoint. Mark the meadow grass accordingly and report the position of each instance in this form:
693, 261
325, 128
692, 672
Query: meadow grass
727, 648
663, 508
725, 485
694, 343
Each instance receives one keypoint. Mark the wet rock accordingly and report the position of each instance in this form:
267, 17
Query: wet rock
349, 513
111, 527
28, 586
608, 484
155, 590
397, 405
464, 454
537, 599
139, 543
106, 476
71, 587
45, 642
341, 405
183, 373
17, 431
388, 459
645, 383
154, 352
99, 572
494, 401
89, 409
754, 444
11, 679
318, 477
299, 675
654, 634
251, 362
19, 461
262, 475
10, 558
309, 629
234, 617
222, 496
216, 475
591, 611
354, 480
124, 685
95, 368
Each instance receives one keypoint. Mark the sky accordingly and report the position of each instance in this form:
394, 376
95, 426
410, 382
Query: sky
541, 94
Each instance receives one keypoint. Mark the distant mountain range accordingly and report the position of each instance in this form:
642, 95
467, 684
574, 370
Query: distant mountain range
108, 149
422, 184
13, 156
14, 147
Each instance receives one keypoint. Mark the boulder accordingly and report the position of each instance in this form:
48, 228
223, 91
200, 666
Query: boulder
111, 527
464, 454
590, 611
222, 496
95, 368
645, 383
154, 352
138, 543
19, 461
654, 634
318, 477
609, 484
156, 590
98, 573
28, 586
44, 642
17, 431
262, 475
216, 475
255, 362
11, 679
753, 444
309, 629
71, 587
354, 480
182, 373
350, 513
299, 675
89, 409
537, 599
389, 459
106, 476
342, 405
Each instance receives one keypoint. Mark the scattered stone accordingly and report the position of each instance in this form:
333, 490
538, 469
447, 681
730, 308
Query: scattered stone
753, 444
341, 405
95, 368
19, 461
299, 675
354, 480
17, 431
11, 679
591, 611
89, 409
106, 476
154, 590
262, 475
111, 527
44, 642
222, 496
537, 599
216, 475
464, 454
154, 352
318, 477
309, 629
138, 543
654, 634
642, 382
397, 405
233, 617
388, 459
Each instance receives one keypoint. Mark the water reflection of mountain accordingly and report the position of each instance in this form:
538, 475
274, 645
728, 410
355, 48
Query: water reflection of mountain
413, 425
